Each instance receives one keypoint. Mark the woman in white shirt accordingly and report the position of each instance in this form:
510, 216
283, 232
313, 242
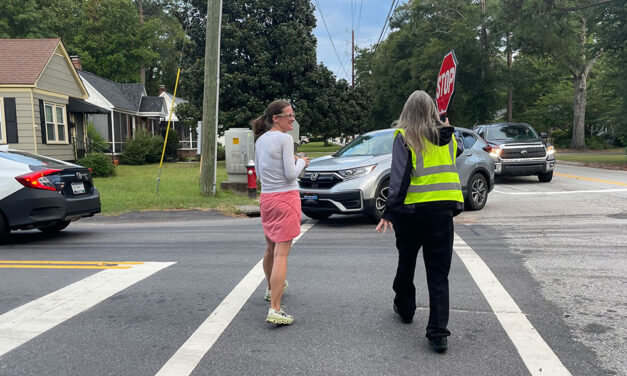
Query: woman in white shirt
277, 167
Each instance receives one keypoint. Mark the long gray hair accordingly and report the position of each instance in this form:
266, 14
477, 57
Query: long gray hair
420, 120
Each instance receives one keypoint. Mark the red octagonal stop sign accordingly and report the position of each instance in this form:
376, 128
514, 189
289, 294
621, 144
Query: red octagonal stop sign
446, 83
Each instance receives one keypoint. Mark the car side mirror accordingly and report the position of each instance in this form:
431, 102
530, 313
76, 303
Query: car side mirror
544, 135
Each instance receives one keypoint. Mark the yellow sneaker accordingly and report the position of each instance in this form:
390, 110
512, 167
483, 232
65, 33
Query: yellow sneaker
279, 317
268, 295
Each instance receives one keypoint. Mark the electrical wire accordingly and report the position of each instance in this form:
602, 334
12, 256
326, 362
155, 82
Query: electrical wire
385, 25
331, 39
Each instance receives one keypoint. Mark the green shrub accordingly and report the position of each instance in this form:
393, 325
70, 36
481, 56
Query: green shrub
596, 143
221, 153
95, 142
561, 138
142, 149
100, 164
172, 146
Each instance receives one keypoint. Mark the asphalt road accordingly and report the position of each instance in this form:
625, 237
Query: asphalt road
557, 250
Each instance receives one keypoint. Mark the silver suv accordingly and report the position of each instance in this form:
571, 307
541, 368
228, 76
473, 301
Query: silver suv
356, 178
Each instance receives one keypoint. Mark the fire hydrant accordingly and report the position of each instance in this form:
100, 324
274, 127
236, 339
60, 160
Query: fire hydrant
252, 179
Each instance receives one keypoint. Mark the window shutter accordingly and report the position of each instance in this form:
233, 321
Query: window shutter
10, 116
42, 121
69, 126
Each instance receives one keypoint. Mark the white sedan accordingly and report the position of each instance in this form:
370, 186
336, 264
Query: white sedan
42, 193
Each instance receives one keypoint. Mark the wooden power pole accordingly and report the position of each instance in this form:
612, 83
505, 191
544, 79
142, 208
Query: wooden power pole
142, 69
210, 98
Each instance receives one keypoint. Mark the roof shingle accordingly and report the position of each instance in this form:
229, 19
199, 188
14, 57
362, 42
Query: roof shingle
23, 60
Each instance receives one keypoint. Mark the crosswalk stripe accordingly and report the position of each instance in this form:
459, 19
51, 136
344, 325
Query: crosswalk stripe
36, 317
534, 351
188, 356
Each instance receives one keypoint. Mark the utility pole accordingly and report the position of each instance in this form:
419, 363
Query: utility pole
353, 58
142, 69
509, 80
210, 98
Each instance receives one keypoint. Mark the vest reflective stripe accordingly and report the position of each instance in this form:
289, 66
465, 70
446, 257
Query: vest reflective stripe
434, 187
434, 174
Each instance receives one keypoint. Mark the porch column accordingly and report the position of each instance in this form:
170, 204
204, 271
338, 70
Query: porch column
112, 133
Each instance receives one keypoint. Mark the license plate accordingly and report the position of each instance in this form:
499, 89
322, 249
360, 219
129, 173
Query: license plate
310, 199
78, 188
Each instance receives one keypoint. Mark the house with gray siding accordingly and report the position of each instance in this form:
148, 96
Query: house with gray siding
37, 81
128, 106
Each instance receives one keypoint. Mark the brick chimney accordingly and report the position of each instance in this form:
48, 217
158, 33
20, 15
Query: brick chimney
162, 89
76, 61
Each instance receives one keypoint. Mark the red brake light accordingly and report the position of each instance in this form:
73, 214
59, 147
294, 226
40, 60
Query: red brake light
487, 148
38, 180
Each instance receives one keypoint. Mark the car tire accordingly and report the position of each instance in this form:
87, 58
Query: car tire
380, 198
53, 229
545, 177
4, 229
477, 194
316, 215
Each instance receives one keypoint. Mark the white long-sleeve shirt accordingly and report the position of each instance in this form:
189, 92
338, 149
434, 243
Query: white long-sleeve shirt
274, 162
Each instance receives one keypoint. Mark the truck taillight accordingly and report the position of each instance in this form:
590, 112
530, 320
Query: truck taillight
487, 148
38, 179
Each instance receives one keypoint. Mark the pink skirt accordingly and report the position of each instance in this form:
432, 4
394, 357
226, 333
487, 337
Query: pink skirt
280, 215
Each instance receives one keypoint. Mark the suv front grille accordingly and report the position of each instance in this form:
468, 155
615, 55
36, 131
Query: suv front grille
319, 180
523, 152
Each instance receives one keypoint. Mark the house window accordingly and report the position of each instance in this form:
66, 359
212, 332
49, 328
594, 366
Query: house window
56, 125
3, 130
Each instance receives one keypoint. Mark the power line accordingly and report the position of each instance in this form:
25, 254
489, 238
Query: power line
361, 4
331, 39
385, 24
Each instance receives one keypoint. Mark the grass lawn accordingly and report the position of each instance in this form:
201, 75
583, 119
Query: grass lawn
134, 189
593, 158
317, 149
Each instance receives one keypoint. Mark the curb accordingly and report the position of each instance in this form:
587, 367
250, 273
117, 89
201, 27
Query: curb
249, 210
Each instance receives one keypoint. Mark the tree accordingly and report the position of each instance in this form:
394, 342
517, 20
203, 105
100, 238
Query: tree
165, 37
268, 52
110, 42
563, 33
40, 19
410, 58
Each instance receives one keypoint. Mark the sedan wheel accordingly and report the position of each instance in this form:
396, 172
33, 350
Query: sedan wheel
477, 192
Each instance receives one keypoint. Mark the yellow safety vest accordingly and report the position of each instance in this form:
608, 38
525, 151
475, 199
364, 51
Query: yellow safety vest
434, 174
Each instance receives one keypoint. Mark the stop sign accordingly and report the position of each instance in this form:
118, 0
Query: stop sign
446, 83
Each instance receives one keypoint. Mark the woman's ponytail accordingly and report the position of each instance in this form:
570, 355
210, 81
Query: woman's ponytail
259, 126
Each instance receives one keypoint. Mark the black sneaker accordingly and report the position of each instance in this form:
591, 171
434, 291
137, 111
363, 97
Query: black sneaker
403, 319
439, 344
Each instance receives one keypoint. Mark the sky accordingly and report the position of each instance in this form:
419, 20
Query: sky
341, 16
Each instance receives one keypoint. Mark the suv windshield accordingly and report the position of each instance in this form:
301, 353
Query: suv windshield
369, 144
511, 132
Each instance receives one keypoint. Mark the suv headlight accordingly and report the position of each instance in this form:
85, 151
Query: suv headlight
495, 152
354, 173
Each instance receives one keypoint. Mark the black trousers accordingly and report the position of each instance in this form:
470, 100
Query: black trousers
434, 233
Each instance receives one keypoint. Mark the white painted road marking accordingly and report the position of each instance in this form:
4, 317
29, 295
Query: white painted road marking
189, 355
535, 353
559, 192
34, 318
